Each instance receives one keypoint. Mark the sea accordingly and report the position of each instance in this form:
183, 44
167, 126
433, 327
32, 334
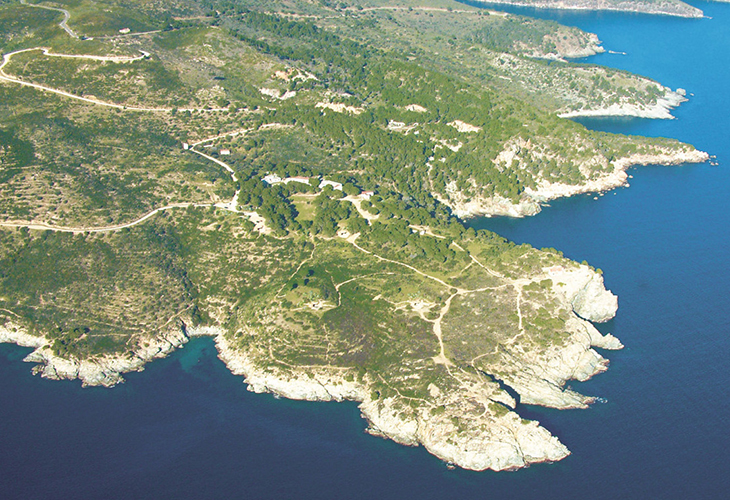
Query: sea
185, 428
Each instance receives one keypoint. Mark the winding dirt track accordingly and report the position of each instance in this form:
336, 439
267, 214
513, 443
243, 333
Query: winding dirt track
66, 16
230, 205
116, 59
64, 229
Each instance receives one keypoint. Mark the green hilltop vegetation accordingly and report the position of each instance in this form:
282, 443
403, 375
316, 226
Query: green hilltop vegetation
404, 100
224, 61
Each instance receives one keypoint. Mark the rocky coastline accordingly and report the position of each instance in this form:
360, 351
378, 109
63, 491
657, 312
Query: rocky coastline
498, 442
662, 7
541, 378
661, 110
506, 442
533, 198
97, 371
463, 434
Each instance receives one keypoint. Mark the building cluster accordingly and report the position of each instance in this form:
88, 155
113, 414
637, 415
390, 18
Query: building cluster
272, 179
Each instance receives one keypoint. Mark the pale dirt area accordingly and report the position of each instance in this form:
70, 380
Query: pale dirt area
340, 108
464, 127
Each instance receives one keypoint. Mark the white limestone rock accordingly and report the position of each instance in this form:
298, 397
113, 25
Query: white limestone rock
102, 370
593, 302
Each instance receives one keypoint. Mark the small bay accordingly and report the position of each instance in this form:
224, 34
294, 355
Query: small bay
187, 428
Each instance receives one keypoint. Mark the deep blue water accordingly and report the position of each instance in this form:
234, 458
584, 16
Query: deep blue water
187, 428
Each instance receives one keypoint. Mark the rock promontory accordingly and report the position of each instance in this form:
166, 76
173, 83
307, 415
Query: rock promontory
661, 7
453, 381
613, 175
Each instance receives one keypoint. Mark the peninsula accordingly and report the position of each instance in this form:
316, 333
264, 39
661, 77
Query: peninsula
290, 178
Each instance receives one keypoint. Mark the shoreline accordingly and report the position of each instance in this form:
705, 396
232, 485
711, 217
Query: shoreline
680, 10
661, 110
469, 433
533, 199
103, 371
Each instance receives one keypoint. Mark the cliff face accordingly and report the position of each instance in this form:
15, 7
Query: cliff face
594, 303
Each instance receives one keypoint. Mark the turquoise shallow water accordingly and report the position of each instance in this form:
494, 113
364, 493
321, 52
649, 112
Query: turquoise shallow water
187, 428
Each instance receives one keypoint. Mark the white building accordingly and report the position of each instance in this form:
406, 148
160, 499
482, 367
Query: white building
272, 179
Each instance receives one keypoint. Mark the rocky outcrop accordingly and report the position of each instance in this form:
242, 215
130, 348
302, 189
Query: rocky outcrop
569, 47
584, 290
14, 334
481, 441
496, 205
666, 158
593, 302
100, 370
478, 441
539, 376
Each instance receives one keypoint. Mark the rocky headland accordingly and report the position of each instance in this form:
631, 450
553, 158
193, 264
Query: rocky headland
95, 371
453, 424
469, 419
439, 333
533, 198
661, 109
661, 7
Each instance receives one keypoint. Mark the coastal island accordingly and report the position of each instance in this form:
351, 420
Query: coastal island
291, 178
